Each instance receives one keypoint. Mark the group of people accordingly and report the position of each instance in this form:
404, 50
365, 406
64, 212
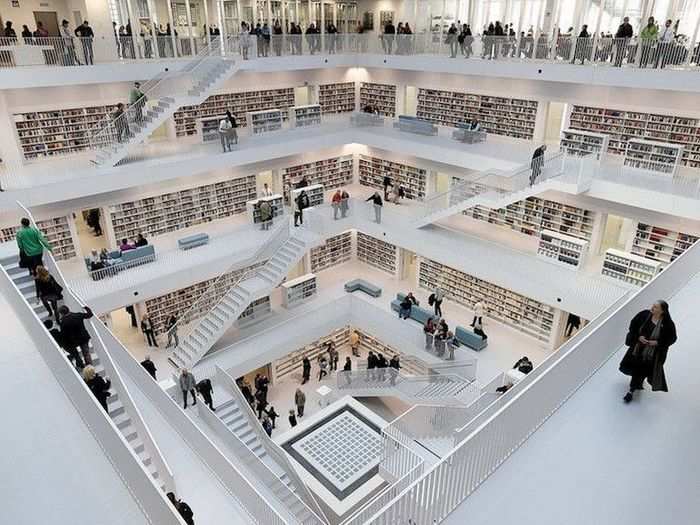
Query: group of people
400, 34
64, 48
188, 384
227, 131
267, 415
99, 260
379, 368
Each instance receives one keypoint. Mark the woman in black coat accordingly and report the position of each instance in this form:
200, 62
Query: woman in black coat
650, 335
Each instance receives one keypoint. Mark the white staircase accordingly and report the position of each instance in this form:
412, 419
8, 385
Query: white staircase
116, 407
289, 247
491, 190
163, 95
447, 389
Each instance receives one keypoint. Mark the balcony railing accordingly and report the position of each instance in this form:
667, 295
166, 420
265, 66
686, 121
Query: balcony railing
680, 53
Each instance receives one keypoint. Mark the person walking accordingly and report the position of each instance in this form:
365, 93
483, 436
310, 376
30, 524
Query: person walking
48, 291
583, 43
355, 343
377, 202
300, 204
150, 366
171, 329
479, 330
233, 134
335, 204
97, 385
246, 391
137, 101
305, 370
266, 424
572, 322
386, 183
272, 415
452, 40
187, 384
429, 331
224, 134
206, 390
147, 329
121, 126
371, 365
182, 508
395, 365
478, 313
537, 163
292, 419
651, 333
299, 401
74, 332
437, 297
31, 243
322, 365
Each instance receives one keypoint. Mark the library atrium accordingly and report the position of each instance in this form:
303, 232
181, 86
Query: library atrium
344, 262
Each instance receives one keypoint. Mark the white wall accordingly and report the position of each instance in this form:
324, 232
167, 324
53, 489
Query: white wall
24, 14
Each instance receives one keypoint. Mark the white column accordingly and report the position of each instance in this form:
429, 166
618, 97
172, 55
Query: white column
600, 17
283, 22
207, 21
172, 27
269, 14
222, 26
153, 19
323, 17
189, 27
134, 28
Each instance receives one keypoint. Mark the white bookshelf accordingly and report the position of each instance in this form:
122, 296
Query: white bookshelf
314, 192
292, 362
304, 116
527, 315
660, 244
239, 104
381, 97
57, 231
372, 171
174, 211
563, 249
582, 143
337, 98
510, 117
336, 250
265, 121
253, 208
649, 155
622, 126
377, 253
299, 290
533, 215
209, 128
255, 312
58, 131
628, 267
179, 302
332, 173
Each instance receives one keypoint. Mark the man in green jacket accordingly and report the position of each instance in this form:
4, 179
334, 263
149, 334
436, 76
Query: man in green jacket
31, 244
137, 100
648, 36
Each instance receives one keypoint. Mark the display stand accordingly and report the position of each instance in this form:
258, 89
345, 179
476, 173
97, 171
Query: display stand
628, 267
584, 143
253, 208
303, 116
298, 290
266, 121
563, 249
656, 157
209, 128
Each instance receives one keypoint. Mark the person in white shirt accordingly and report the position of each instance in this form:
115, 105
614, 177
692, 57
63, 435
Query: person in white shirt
224, 133
665, 47
266, 191
69, 56
478, 313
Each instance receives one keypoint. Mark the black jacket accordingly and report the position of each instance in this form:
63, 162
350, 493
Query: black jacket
73, 327
99, 388
150, 367
48, 288
641, 325
376, 200
624, 31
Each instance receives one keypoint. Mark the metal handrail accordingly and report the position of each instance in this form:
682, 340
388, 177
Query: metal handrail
281, 234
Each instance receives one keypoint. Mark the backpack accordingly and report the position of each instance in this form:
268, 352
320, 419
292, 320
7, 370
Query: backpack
431, 299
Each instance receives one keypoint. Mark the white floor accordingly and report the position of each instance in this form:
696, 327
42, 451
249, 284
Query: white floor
599, 461
51, 464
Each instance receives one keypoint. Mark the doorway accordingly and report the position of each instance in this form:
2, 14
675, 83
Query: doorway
411, 101
302, 96
90, 227
614, 234
49, 19
555, 122
409, 263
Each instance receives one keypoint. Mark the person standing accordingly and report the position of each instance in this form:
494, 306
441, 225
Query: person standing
266, 214
299, 401
224, 134
582, 45
335, 204
48, 291
665, 46
452, 40
187, 384
355, 343
69, 56
395, 365
344, 204
150, 366
265, 191
389, 32
537, 163
97, 385
386, 183
438, 296
451, 343
171, 328
478, 313
206, 390
405, 308
86, 35
233, 134
137, 101
479, 330
74, 332
622, 36
377, 203
650, 335
272, 415
648, 38
371, 365
147, 329
429, 331
266, 424
300, 204
292, 419
121, 126
322, 365
31, 243
305, 370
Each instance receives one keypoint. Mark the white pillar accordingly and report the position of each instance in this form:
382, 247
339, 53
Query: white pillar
207, 21
134, 28
190, 28
600, 17
172, 27
323, 17
269, 14
153, 20
222, 26
101, 22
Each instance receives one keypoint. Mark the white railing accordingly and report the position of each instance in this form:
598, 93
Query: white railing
124, 460
278, 455
428, 422
529, 403
112, 270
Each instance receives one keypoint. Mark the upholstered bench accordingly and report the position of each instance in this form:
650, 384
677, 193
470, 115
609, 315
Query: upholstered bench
192, 241
363, 286
470, 339
411, 124
418, 314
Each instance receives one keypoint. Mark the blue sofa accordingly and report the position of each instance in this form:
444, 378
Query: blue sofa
470, 339
363, 286
417, 313
192, 241
123, 260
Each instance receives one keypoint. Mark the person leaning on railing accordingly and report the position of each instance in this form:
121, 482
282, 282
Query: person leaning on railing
84, 31
622, 36
648, 38
665, 47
